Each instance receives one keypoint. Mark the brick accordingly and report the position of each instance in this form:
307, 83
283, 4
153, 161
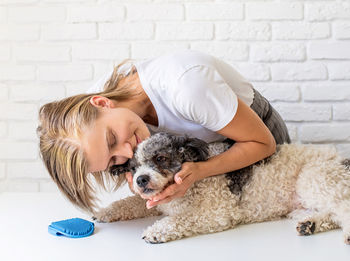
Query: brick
145, 50
18, 150
3, 92
3, 14
329, 92
36, 92
327, 11
100, 51
36, 14
5, 52
33, 169
68, 1
274, 11
3, 186
304, 112
96, 13
19, 1
339, 71
214, 11
48, 186
336, 132
18, 111
21, 32
126, 31
158, 12
224, 50
16, 130
101, 68
2, 170
293, 132
3, 129
17, 72
23, 186
339, 50
254, 72
185, 31
42, 53
243, 31
73, 88
298, 72
277, 52
69, 72
341, 30
344, 150
69, 31
280, 92
341, 111
300, 30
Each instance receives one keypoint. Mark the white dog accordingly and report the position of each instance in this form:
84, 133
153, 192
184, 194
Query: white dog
298, 181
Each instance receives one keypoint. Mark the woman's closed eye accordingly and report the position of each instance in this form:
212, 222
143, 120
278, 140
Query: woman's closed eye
113, 141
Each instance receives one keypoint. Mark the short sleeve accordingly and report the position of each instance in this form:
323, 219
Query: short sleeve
201, 95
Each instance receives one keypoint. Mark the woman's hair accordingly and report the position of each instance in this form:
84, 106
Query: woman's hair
61, 124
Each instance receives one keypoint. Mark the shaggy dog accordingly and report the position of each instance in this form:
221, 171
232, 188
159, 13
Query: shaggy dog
303, 182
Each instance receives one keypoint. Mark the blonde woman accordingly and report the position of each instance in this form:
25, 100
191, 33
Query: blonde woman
185, 92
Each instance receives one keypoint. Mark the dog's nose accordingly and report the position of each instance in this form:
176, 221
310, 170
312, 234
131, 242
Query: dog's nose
142, 181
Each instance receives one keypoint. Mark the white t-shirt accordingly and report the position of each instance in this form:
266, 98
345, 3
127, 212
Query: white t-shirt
193, 93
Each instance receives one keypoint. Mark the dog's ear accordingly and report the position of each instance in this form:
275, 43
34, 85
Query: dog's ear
117, 170
193, 149
118, 174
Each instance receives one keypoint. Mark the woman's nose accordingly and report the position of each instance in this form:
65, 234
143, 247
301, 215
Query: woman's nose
124, 150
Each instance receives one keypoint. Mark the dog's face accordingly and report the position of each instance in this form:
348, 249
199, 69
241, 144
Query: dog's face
158, 158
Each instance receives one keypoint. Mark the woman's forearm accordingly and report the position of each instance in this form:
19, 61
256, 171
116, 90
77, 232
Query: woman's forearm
240, 155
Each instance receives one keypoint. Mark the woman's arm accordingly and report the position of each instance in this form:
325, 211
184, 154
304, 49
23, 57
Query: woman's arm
254, 142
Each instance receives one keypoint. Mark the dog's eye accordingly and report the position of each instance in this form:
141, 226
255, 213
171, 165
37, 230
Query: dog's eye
161, 158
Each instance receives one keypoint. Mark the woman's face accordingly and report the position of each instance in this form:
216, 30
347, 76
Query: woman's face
113, 138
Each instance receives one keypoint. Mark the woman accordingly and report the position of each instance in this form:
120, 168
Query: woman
185, 92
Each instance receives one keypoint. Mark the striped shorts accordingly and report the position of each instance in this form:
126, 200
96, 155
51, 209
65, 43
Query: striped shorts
271, 118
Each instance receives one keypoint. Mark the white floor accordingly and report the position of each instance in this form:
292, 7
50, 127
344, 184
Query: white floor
24, 218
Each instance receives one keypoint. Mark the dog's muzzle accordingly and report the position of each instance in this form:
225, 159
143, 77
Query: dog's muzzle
142, 181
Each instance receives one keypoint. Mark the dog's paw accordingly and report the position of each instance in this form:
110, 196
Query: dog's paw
347, 239
306, 228
157, 234
153, 237
105, 215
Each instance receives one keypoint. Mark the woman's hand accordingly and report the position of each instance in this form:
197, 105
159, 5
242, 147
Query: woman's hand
184, 179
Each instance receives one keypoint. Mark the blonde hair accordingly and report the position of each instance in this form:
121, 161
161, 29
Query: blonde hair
61, 124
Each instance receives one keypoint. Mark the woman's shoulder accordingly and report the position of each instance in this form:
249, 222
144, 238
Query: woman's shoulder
175, 63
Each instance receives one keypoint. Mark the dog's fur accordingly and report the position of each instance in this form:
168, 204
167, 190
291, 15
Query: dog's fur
303, 182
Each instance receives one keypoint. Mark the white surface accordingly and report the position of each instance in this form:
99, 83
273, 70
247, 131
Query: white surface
24, 218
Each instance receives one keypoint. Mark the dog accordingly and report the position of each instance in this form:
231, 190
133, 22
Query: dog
304, 182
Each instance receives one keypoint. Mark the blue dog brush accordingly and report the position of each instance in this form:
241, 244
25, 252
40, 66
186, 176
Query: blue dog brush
74, 227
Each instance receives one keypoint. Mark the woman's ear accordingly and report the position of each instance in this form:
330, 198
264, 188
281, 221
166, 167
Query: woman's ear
101, 102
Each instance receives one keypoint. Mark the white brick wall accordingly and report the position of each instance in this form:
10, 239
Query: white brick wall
296, 52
